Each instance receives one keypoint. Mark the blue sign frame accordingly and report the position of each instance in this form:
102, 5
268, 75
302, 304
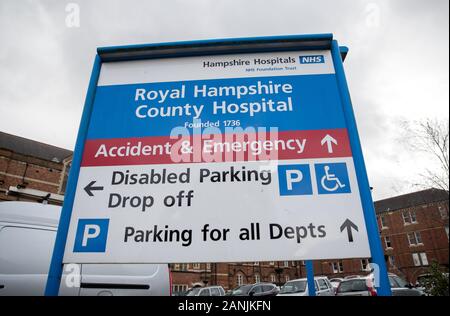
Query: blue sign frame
217, 47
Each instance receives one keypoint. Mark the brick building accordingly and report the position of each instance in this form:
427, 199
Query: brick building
230, 275
413, 229
32, 171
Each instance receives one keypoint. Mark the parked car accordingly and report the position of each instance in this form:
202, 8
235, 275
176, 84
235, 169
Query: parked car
400, 287
364, 286
241, 290
357, 286
206, 291
335, 282
258, 289
27, 237
299, 287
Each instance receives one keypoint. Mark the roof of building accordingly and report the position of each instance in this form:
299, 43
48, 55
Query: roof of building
410, 200
33, 148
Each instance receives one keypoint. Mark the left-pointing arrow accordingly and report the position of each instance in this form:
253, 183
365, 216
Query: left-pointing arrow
90, 187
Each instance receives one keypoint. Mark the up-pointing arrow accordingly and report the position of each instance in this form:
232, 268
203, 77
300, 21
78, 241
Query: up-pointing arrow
348, 224
329, 141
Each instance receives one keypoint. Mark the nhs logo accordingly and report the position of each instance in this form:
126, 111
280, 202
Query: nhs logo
91, 235
312, 59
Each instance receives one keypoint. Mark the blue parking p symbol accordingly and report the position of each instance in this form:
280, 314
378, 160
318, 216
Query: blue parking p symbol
294, 180
91, 235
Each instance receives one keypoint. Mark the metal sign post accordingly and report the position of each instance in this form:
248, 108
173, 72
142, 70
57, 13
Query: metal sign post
376, 248
310, 277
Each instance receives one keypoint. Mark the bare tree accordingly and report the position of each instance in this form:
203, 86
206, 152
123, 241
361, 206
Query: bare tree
431, 138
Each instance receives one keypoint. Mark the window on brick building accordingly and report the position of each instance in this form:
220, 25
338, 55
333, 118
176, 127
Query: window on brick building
443, 212
413, 216
391, 260
423, 258
383, 222
416, 259
272, 263
365, 266
387, 241
286, 264
176, 266
256, 263
334, 267
294, 264
406, 218
184, 266
446, 230
337, 267
409, 217
273, 279
286, 278
196, 266
414, 238
257, 278
240, 279
420, 259
179, 288
208, 266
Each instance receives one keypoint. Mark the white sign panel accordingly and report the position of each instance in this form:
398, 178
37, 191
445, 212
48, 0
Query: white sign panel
217, 159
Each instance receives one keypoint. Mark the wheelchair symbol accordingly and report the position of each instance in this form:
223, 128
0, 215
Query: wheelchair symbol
331, 178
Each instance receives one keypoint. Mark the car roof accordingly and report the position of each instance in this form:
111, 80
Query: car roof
354, 276
355, 279
30, 213
304, 279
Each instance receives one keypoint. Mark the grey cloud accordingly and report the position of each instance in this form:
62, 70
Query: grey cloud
396, 71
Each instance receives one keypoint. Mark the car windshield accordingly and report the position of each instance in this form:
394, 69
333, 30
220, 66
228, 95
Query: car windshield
294, 287
352, 286
194, 291
400, 281
243, 289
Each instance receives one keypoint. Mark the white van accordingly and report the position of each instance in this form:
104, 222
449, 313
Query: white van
27, 237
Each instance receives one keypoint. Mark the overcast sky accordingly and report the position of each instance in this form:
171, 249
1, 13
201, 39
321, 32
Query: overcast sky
397, 67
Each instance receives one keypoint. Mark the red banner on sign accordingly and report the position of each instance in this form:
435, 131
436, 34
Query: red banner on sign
211, 148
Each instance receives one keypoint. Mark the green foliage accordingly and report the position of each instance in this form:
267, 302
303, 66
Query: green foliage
437, 282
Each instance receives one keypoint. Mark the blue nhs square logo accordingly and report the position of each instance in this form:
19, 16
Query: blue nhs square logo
91, 235
312, 59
